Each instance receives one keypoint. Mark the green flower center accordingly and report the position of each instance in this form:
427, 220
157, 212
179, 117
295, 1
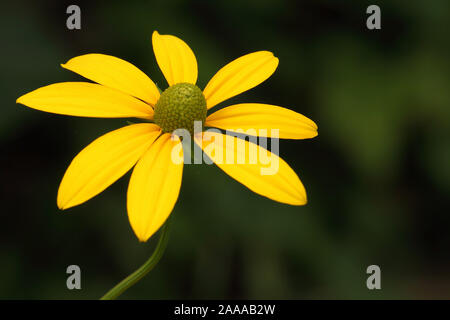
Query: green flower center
179, 106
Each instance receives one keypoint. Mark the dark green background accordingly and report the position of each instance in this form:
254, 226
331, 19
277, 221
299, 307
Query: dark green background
377, 176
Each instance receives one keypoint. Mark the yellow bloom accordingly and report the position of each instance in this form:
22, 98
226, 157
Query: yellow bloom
122, 90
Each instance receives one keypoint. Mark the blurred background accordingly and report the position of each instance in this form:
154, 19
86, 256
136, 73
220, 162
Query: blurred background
377, 176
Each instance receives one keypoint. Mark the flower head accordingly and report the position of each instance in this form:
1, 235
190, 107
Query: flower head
121, 90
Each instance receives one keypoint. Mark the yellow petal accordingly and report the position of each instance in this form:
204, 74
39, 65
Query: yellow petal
261, 119
104, 161
175, 59
240, 75
154, 187
86, 99
115, 73
255, 167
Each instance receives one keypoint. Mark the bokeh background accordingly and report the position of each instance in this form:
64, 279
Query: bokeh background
377, 176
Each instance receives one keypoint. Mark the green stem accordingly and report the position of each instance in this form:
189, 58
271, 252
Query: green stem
133, 278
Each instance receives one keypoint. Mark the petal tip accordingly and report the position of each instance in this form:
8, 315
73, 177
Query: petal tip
142, 236
67, 203
267, 52
20, 99
25, 99
61, 201
302, 198
61, 206
142, 239
277, 60
273, 56
301, 201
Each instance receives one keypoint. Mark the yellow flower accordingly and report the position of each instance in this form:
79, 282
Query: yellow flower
122, 90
